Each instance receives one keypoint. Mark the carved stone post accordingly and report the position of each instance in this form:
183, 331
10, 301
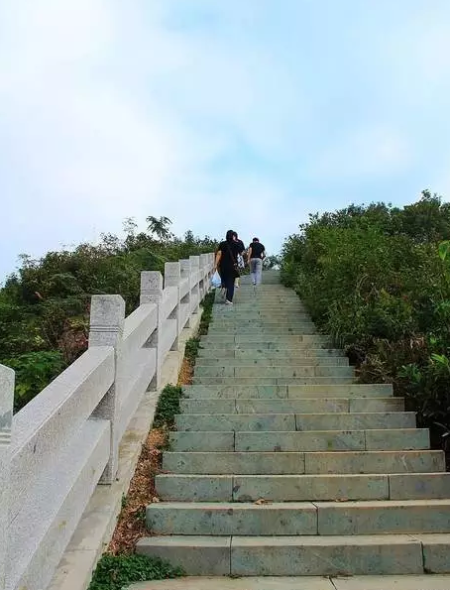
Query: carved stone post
195, 290
6, 411
106, 329
151, 292
172, 276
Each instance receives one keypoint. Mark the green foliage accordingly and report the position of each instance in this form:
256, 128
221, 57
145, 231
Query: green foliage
117, 572
168, 406
377, 278
34, 371
191, 350
205, 320
44, 307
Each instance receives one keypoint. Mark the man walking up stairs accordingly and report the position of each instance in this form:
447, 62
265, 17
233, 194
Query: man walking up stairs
282, 466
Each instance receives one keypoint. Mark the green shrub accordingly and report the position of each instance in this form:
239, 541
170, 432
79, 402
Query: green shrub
191, 350
377, 279
168, 406
207, 306
34, 371
117, 572
44, 307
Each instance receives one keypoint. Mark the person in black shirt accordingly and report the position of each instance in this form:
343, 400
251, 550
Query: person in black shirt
256, 255
226, 264
240, 258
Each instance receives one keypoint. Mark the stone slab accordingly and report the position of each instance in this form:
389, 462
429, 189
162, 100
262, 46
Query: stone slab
235, 422
288, 406
233, 392
292, 406
418, 582
332, 440
269, 370
436, 552
208, 406
398, 438
300, 441
266, 583
230, 463
231, 519
419, 486
351, 390
262, 353
296, 556
274, 391
354, 421
194, 488
373, 518
258, 381
280, 361
387, 404
306, 488
375, 462
201, 441
196, 555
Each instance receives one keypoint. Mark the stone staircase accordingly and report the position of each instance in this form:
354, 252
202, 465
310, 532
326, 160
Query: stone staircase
282, 466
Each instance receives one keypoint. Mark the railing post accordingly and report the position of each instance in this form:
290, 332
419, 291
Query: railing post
106, 329
205, 260
151, 292
195, 290
172, 276
185, 266
6, 412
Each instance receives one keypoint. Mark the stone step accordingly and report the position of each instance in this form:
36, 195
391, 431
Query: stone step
288, 406
266, 381
224, 391
292, 422
385, 439
299, 518
329, 440
295, 463
273, 362
296, 555
273, 372
294, 339
302, 488
262, 325
249, 317
264, 321
402, 582
266, 332
296, 346
271, 354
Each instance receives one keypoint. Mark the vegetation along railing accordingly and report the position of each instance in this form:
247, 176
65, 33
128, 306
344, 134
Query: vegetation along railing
60, 446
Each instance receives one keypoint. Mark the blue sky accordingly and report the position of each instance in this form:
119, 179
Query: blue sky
247, 114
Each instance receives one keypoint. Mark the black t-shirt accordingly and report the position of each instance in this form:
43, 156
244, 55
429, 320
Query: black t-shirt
230, 252
241, 246
257, 249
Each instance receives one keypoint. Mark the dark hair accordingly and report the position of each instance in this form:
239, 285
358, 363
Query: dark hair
235, 234
256, 239
230, 235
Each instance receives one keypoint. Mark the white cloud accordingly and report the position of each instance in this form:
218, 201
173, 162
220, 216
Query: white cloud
372, 151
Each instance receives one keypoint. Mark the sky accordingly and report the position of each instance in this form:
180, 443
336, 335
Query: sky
219, 114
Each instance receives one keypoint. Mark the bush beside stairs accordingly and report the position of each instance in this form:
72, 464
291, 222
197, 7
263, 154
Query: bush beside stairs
281, 465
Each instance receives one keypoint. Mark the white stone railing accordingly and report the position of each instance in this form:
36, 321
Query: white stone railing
60, 446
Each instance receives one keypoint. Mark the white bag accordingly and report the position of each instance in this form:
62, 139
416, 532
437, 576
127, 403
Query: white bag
216, 281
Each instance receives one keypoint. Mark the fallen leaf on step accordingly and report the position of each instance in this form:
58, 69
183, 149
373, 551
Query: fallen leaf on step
155, 500
341, 500
262, 501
